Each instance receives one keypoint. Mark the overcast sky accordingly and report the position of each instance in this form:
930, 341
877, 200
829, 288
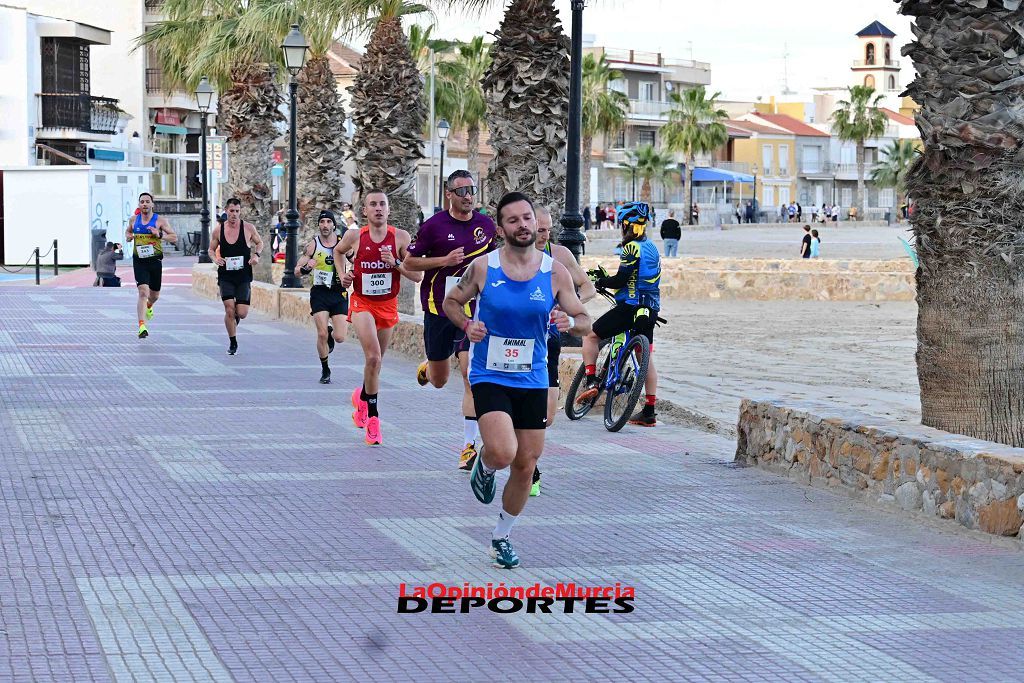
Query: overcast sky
744, 40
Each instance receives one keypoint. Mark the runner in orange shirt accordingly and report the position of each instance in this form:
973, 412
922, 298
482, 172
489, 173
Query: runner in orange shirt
376, 278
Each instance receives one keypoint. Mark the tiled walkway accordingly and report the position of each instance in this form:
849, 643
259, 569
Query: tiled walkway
173, 513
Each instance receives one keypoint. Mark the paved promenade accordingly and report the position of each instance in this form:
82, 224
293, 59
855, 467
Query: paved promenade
173, 513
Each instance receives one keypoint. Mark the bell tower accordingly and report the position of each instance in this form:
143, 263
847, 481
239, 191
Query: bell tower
875, 64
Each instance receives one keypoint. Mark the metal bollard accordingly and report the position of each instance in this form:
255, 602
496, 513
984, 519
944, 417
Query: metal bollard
55, 258
36, 252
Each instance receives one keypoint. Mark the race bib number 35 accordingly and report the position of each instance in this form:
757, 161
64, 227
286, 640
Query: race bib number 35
376, 284
234, 262
509, 355
147, 250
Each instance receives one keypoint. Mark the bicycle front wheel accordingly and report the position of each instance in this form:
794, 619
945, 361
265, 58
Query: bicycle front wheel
623, 397
576, 410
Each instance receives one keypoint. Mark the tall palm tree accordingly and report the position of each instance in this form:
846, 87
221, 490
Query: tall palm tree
695, 126
651, 165
892, 172
856, 120
321, 144
604, 112
201, 38
967, 217
422, 42
527, 93
459, 96
389, 112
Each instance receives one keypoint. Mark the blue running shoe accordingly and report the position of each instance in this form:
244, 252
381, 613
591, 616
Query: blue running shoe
504, 554
482, 483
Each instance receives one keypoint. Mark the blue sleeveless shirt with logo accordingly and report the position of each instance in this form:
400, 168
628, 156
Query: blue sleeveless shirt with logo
517, 314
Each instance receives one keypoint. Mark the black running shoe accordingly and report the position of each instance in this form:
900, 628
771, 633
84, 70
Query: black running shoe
643, 419
325, 378
330, 349
233, 348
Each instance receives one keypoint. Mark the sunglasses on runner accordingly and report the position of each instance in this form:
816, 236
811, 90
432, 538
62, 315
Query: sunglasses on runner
463, 191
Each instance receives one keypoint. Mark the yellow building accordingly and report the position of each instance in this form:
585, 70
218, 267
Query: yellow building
770, 152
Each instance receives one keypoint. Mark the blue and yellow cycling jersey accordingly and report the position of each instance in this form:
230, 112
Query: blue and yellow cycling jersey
640, 266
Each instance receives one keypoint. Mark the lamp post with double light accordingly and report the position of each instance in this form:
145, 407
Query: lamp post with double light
204, 98
295, 49
442, 133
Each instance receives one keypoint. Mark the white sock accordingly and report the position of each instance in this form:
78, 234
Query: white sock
469, 427
504, 526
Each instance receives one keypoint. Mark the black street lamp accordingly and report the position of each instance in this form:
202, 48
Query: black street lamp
572, 237
633, 195
295, 49
442, 133
204, 97
753, 202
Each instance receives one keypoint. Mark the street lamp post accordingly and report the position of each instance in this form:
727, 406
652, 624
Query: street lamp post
442, 133
633, 191
572, 237
204, 97
295, 50
754, 200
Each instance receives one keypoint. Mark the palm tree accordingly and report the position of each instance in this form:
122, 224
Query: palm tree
694, 127
604, 112
892, 172
389, 112
199, 39
422, 43
967, 218
527, 93
459, 97
651, 166
856, 120
320, 115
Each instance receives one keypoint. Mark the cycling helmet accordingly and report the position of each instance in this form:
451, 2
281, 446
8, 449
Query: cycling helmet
635, 215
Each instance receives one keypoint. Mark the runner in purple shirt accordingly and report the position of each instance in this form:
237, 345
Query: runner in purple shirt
443, 248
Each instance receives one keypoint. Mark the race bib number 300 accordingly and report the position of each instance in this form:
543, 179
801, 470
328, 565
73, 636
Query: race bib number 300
147, 251
234, 262
376, 284
509, 355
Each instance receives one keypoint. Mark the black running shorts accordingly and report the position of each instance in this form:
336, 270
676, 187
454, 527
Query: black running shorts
241, 292
527, 407
149, 272
441, 338
620, 319
554, 351
334, 301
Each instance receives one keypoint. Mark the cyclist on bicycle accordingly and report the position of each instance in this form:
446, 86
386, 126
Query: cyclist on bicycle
638, 300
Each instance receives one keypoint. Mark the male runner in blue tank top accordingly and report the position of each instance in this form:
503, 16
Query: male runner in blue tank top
518, 287
148, 231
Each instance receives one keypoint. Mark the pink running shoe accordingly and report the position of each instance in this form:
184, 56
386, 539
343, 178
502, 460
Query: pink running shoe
359, 415
373, 436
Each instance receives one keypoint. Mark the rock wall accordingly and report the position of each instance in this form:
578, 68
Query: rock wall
780, 279
978, 483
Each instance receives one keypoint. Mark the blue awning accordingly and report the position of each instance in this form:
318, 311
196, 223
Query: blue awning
170, 130
105, 154
719, 175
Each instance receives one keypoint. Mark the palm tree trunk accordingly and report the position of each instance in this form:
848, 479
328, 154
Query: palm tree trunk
586, 160
249, 112
527, 91
967, 220
645, 190
859, 203
473, 151
321, 143
688, 188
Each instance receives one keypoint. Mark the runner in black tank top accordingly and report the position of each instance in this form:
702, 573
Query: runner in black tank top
235, 259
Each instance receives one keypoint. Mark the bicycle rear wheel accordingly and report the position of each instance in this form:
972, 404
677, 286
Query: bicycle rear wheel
574, 410
623, 397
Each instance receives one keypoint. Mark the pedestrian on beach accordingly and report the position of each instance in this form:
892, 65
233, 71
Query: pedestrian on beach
815, 244
106, 266
671, 233
805, 243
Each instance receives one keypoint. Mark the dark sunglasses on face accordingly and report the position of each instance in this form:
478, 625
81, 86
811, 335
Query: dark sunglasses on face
463, 191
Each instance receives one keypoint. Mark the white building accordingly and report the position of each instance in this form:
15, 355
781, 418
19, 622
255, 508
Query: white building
60, 143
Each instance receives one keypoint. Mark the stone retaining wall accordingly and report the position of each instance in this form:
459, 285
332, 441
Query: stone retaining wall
978, 483
780, 279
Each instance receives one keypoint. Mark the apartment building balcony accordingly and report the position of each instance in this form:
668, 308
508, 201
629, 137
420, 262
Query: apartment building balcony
836, 171
155, 6
76, 116
648, 111
158, 97
683, 70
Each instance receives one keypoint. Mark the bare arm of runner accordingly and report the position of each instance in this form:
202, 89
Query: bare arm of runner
215, 246
462, 293
306, 259
165, 230
403, 254
255, 241
579, 276
568, 303
347, 243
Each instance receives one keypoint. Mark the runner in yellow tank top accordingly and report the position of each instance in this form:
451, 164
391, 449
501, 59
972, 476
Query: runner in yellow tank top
146, 231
